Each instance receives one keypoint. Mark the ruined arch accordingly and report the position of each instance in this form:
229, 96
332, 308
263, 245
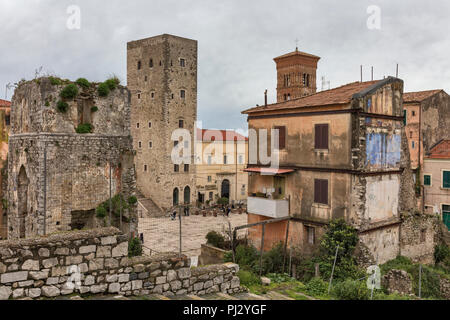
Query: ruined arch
22, 197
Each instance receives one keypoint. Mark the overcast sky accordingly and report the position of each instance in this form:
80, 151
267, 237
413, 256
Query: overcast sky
237, 41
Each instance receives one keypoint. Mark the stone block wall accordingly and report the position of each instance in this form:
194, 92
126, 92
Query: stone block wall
95, 262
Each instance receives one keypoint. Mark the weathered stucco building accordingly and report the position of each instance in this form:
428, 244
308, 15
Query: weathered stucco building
221, 157
436, 181
56, 176
342, 154
162, 78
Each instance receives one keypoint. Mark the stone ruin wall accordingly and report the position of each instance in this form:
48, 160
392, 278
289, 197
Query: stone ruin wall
77, 166
96, 262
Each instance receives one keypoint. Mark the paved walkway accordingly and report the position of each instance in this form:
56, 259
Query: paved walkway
162, 234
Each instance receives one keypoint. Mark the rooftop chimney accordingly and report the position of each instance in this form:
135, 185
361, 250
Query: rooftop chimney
265, 98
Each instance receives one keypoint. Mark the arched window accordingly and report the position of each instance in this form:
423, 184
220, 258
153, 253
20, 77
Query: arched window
175, 196
187, 195
139, 65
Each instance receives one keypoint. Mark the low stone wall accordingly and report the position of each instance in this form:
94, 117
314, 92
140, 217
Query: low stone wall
444, 285
96, 261
398, 281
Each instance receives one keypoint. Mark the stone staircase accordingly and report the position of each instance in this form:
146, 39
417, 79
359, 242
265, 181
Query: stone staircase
147, 207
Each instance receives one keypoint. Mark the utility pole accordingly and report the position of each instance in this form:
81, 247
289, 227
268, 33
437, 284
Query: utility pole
332, 270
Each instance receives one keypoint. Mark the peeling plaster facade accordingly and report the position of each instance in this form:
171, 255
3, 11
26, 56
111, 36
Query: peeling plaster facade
366, 167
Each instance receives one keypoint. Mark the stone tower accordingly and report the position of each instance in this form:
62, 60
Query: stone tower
162, 78
296, 75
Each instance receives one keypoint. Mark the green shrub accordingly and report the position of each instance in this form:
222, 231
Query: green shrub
400, 263
134, 247
100, 212
94, 109
103, 89
215, 239
279, 277
246, 256
350, 290
62, 106
84, 128
112, 83
272, 261
132, 200
69, 92
317, 287
223, 201
55, 81
248, 278
47, 104
441, 253
84, 83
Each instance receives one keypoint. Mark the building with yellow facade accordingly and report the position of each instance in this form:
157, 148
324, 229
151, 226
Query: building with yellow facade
221, 157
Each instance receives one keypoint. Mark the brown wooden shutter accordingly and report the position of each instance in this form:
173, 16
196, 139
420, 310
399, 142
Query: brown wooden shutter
321, 136
321, 191
281, 137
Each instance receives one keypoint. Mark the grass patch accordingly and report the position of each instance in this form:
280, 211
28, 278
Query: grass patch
84, 128
103, 89
62, 106
84, 83
69, 92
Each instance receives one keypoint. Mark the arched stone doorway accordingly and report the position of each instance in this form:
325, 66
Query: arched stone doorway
175, 196
187, 195
225, 190
22, 195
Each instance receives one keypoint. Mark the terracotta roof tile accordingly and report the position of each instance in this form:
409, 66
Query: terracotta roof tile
339, 95
440, 151
219, 135
297, 53
418, 96
5, 103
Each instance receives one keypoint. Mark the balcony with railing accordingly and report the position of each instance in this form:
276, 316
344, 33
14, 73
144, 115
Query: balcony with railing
268, 207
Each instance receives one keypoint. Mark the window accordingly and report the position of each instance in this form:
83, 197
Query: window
311, 234
137, 125
225, 158
186, 168
307, 80
176, 168
209, 178
149, 124
145, 168
139, 96
145, 79
211, 195
321, 191
182, 94
182, 63
241, 159
321, 136
423, 234
410, 134
446, 179
139, 65
285, 97
180, 123
150, 144
175, 143
289, 96
7, 120
413, 113
209, 160
151, 63
404, 117
427, 180
281, 137
152, 95
140, 144
160, 63
172, 95
412, 144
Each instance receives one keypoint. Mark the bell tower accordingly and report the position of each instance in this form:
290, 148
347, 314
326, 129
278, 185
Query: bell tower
296, 75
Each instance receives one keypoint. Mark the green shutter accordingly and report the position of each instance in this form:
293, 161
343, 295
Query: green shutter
427, 180
446, 179
404, 117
